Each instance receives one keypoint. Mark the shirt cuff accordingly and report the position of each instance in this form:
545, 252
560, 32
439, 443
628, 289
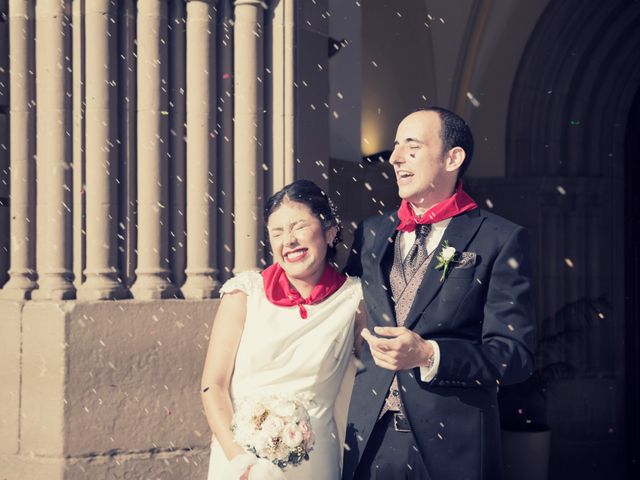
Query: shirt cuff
428, 374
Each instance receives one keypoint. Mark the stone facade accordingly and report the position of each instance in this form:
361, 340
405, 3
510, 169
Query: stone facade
139, 139
144, 136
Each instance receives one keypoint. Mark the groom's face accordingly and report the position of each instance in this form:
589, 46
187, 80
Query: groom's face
417, 157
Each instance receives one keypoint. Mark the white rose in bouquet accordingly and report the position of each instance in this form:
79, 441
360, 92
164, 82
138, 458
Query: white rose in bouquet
272, 426
286, 408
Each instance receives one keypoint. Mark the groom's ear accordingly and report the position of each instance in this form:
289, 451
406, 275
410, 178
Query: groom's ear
454, 159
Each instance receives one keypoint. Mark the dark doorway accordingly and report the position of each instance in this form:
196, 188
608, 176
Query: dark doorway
572, 146
632, 285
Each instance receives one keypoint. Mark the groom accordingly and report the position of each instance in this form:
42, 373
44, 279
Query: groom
447, 288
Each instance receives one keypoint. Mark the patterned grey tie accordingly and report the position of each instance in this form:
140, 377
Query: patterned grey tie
418, 252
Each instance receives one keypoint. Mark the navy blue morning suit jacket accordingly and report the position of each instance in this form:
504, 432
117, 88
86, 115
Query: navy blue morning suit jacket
482, 318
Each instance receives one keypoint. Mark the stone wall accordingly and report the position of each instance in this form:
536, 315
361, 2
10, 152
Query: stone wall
103, 389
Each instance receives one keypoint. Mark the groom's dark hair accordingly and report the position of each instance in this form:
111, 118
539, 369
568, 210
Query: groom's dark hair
308, 193
454, 132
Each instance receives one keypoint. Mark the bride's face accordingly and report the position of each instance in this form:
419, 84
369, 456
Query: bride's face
298, 242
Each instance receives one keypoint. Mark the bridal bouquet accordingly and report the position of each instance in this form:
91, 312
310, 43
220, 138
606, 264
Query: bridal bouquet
275, 428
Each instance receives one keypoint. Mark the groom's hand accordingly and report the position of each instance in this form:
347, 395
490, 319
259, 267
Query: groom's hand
397, 348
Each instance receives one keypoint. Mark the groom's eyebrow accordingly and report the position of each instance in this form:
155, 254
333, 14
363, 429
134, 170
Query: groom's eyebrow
409, 140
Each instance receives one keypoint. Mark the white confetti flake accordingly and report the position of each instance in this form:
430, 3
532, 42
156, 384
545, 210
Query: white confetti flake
474, 101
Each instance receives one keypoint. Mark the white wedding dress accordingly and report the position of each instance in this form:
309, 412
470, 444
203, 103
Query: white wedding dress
281, 353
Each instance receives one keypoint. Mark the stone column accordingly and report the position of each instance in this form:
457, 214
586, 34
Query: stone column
22, 273
248, 133
201, 150
53, 97
283, 94
152, 272
102, 277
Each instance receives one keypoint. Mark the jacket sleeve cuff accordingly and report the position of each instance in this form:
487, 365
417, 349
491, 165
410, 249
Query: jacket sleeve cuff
428, 373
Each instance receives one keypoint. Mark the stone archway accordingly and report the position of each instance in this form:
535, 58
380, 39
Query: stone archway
573, 90
569, 113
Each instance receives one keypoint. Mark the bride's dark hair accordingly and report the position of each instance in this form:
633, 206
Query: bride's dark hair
308, 193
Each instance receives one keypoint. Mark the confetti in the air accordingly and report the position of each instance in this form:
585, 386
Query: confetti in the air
474, 101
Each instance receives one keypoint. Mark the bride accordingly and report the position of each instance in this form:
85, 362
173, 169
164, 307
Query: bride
288, 330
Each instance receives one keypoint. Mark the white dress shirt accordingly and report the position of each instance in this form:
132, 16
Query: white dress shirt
434, 238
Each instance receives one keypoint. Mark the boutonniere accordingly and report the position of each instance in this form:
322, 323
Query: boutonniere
445, 257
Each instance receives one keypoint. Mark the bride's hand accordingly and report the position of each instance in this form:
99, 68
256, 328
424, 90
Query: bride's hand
265, 470
240, 465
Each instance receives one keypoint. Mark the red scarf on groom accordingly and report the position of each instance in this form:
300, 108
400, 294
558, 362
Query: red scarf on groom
456, 204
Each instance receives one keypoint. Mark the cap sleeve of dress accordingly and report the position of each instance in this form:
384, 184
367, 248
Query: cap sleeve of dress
246, 282
356, 287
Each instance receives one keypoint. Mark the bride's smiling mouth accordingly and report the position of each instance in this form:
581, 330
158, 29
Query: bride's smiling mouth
295, 255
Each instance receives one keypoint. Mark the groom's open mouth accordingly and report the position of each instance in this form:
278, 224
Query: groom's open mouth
295, 255
403, 176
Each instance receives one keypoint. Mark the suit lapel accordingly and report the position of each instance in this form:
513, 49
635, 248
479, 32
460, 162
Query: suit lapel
459, 233
382, 247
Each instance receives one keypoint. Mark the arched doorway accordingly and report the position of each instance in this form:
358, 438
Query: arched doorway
573, 104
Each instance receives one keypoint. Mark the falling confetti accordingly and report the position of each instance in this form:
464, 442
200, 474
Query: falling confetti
474, 101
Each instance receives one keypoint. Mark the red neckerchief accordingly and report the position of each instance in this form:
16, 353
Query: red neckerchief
280, 292
454, 205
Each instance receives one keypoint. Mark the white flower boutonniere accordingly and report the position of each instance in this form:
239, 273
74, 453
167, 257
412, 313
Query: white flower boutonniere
445, 257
